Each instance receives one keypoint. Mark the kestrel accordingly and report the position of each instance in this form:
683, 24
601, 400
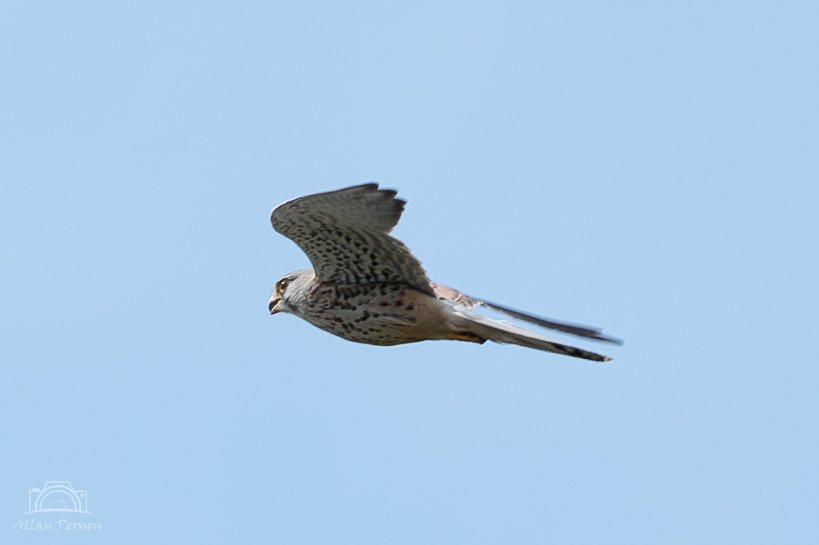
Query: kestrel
366, 286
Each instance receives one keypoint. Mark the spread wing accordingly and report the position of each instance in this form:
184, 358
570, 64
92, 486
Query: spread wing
345, 233
454, 296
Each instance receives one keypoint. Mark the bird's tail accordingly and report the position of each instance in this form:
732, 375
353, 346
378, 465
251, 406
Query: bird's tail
484, 328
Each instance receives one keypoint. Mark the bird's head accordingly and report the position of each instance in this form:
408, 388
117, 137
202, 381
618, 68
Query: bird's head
290, 291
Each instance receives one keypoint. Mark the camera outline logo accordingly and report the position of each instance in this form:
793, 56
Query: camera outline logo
58, 497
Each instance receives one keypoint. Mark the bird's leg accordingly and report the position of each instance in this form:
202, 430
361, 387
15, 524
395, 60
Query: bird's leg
466, 337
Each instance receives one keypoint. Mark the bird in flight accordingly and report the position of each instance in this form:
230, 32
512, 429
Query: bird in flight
366, 286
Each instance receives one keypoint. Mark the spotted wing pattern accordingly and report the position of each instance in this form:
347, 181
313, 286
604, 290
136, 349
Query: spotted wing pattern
345, 233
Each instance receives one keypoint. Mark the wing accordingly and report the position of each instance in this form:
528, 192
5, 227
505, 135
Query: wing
504, 332
450, 294
345, 233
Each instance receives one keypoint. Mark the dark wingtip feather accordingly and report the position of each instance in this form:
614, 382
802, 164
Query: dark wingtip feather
373, 190
564, 327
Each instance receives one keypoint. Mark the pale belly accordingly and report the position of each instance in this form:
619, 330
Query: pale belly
380, 314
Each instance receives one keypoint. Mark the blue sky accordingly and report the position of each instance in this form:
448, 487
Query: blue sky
646, 167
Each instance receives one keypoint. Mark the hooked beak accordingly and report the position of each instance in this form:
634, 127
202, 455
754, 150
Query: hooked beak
274, 306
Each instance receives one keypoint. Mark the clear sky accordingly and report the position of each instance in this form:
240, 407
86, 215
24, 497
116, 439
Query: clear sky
647, 167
